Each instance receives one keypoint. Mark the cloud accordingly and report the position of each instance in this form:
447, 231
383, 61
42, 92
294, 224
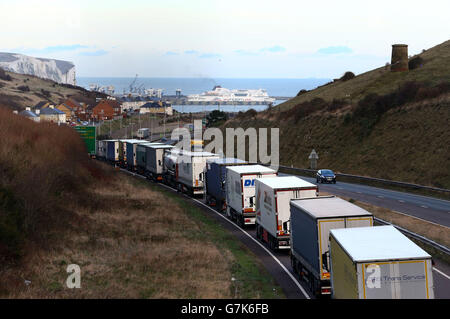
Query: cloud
190, 52
245, 52
274, 49
335, 50
170, 53
209, 56
53, 49
93, 53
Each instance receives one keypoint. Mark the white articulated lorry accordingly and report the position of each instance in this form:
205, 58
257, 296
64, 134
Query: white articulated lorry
378, 263
311, 221
272, 207
154, 168
240, 194
185, 169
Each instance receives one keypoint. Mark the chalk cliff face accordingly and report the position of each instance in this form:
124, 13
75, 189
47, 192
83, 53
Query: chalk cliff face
56, 70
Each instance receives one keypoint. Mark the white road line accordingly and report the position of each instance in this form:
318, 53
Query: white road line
401, 201
262, 246
380, 196
423, 206
250, 236
440, 272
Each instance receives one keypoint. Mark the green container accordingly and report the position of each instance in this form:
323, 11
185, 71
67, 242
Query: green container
88, 134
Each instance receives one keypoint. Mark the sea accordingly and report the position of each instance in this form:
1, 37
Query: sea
274, 87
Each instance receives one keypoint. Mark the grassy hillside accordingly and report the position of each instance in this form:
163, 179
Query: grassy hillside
395, 126
435, 69
131, 239
18, 91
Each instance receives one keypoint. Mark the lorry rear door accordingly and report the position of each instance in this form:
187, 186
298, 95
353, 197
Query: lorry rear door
406, 279
324, 225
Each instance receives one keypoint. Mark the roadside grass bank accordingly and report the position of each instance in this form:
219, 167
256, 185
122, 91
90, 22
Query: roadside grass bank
250, 279
133, 240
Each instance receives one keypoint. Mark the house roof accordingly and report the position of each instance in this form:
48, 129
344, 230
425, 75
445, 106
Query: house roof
50, 111
41, 104
113, 103
150, 105
27, 113
72, 103
67, 106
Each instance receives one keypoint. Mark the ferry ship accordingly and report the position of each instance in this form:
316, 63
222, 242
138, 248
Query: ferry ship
220, 95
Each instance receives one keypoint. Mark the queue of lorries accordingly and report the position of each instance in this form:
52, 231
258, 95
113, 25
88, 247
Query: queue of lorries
334, 246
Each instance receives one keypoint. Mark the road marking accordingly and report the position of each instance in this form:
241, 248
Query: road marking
401, 201
380, 196
359, 192
340, 188
250, 236
268, 251
423, 206
261, 245
440, 272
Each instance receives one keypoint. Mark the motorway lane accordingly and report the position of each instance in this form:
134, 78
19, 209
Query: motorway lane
281, 271
428, 208
278, 263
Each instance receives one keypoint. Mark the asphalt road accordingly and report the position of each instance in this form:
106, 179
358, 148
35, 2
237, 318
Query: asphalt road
278, 263
428, 208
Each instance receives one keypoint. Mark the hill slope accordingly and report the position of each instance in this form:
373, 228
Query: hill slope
435, 69
394, 126
18, 91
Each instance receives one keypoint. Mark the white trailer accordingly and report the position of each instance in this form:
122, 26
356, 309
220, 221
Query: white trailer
240, 185
101, 149
311, 221
272, 207
378, 263
155, 160
143, 133
189, 169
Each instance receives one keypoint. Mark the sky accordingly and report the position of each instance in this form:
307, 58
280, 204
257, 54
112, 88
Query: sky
226, 38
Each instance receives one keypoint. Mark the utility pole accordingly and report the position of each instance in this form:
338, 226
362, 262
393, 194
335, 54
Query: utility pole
164, 121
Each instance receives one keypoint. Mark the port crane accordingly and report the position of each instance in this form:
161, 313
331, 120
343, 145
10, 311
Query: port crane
133, 83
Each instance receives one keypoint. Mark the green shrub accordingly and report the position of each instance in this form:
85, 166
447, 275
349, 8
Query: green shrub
347, 76
415, 62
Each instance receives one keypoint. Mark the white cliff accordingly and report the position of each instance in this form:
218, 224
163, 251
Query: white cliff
56, 70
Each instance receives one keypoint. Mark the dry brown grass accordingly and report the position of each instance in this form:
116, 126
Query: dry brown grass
13, 97
130, 242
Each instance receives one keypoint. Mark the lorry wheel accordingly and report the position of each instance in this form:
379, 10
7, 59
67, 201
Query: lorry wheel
271, 244
241, 222
293, 265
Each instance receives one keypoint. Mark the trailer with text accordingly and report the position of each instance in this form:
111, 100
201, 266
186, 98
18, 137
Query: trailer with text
186, 169
311, 221
272, 207
378, 263
240, 186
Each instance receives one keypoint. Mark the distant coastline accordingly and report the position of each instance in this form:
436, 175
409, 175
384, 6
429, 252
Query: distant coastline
275, 87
